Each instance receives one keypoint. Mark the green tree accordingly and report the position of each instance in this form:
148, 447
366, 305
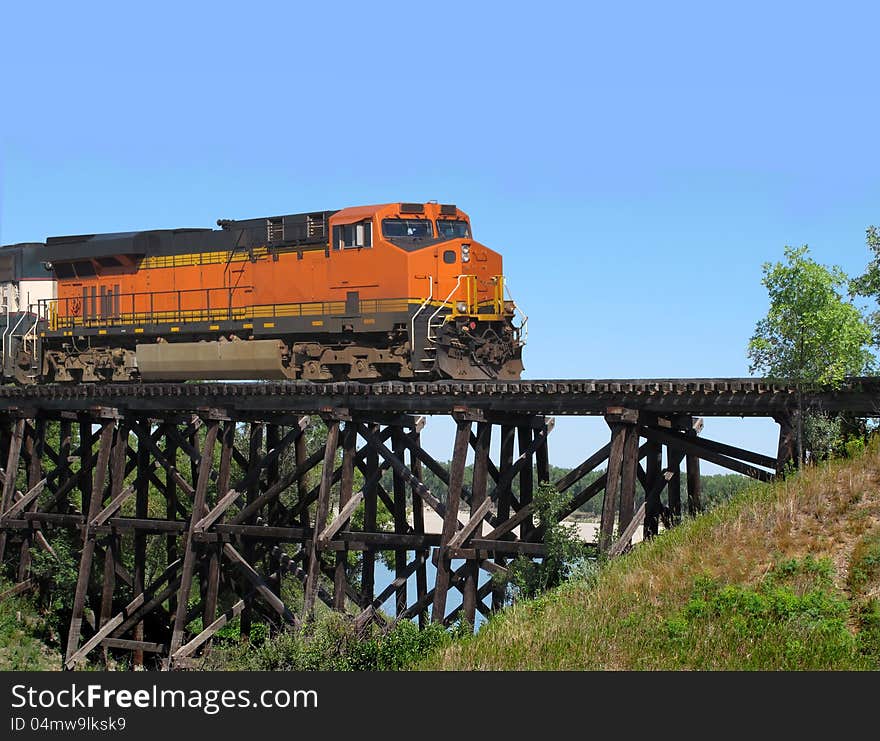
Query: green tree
812, 334
868, 283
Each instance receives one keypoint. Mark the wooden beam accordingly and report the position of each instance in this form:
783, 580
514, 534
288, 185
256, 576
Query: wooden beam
401, 526
313, 570
259, 584
694, 446
418, 518
526, 475
212, 589
346, 484
273, 491
136, 646
24, 500
88, 549
629, 467
189, 557
20, 588
612, 484
450, 519
476, 520
110, 510
625, 539
188, 649
418, 487
8, 492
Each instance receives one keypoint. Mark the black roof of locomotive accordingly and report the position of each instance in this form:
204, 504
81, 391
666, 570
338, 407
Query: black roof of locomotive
233, 234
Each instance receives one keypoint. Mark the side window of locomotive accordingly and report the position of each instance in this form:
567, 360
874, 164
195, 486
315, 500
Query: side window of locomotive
352, 236
453, 229
407, 229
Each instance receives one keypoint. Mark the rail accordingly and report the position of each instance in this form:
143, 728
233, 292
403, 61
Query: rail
724, 397
192, 305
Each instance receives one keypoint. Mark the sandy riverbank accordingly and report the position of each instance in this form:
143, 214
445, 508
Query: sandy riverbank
586, 530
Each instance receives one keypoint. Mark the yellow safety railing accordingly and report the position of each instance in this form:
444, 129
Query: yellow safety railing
470, 305
196, 305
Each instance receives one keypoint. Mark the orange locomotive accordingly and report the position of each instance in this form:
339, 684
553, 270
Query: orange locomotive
394, 291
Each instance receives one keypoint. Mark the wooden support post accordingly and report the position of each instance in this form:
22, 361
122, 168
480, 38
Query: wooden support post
450, 519
65, 445
111, 546
674, 458
142, 494
34, 446
478, 501
346, 484
88, 549
653, 504
526, 479
418, 509
401, 526
508, 440
301, 453
371, 503
86, 463
192, 452
203, 476
273, 473
786, 453
171, 507
255, 445
11, 471
612, 482
630, 465
542, 461
209, 612
313, 572
117, 479
695, 504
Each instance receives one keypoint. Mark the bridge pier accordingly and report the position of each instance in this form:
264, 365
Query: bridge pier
188, 506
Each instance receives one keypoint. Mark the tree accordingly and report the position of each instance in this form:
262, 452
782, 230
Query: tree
868, 284
812, 334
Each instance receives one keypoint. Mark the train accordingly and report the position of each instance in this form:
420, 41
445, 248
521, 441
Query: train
397, 291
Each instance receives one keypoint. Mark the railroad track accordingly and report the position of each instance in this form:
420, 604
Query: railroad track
709, 396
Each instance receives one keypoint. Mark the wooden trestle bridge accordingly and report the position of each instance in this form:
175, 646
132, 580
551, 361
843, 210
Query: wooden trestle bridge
259, 500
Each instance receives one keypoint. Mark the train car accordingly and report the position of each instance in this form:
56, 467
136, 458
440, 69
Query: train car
368, 293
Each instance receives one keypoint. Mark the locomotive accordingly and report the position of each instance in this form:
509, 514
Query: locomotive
367, 293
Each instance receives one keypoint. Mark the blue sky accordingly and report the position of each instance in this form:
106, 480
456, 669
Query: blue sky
635, 163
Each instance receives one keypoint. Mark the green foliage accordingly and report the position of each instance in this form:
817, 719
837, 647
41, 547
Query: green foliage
56, 578
21, 633
332, 644
854, 448
864, 566
792, 620
868, 283
528, 579
811, 333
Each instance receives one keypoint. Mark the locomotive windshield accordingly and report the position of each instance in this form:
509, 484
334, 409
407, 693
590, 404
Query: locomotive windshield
453, 229
407, 228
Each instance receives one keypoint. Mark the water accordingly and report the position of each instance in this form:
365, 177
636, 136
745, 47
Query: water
385, 576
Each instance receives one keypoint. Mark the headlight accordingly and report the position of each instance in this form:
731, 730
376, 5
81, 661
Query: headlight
461, 306
465, 257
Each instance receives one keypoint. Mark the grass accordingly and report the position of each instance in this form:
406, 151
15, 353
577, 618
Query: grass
22, 647
784, 576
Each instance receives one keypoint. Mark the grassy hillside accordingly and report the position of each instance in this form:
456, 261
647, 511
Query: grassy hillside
22, 638
782, 577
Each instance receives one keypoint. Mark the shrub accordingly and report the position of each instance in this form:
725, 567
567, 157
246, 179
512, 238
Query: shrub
526, 578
